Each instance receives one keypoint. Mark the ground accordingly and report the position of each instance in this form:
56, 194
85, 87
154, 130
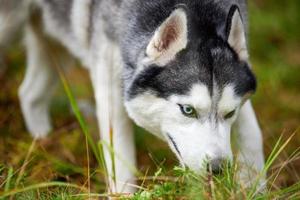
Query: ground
275, 56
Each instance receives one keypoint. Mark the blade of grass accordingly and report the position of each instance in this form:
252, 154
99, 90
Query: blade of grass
10, 174
4, 182
40, 186
113, 196
78, 114
25, 163
129, 166
102, 161
292, 189
112, 154
274, 154
294, 155
80, 118
88, 166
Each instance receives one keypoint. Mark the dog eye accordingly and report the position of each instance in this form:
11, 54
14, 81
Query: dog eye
229, 115
188, 111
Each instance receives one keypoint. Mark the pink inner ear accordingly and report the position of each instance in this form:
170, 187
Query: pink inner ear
169, 39
170, 35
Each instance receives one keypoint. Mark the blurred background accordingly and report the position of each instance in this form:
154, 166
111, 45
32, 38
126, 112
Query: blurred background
275, 56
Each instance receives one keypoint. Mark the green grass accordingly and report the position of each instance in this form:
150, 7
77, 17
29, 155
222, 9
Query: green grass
69, 164
177, 183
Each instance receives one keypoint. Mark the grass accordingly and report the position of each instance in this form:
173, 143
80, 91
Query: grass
65, 167
177, 183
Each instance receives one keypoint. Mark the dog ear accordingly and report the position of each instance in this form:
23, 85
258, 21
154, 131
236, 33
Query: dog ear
236, 35
169, 38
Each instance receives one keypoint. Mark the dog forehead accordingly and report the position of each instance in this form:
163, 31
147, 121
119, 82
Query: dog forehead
198, 96
230, 71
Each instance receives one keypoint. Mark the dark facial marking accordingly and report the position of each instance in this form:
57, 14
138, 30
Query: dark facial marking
229, 115
208, 58
174, 144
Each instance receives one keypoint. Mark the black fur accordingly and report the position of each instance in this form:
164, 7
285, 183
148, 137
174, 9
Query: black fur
174, 144
208, 58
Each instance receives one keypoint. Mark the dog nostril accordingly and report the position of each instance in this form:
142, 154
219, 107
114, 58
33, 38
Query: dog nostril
216, 166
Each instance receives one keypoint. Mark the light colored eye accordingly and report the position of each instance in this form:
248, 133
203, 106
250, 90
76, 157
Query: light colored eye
188, 111
229, 115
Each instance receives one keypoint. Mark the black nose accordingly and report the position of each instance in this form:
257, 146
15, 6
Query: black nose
217, 166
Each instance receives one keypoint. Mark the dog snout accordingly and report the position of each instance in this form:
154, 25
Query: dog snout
217, 166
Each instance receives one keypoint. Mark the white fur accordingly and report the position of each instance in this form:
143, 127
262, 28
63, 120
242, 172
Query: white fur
104, 64
198, 97
237, 37
200, 139
197, 140
161, 57
144, 107
250, 144
80, 19
40, 79
5, 28
111, 114
229, 101
37, 86
146, 110
13, 14
68, 39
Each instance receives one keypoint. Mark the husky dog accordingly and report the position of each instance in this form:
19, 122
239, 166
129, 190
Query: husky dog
180, 68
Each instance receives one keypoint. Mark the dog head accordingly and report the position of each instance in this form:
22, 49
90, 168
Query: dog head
190, 85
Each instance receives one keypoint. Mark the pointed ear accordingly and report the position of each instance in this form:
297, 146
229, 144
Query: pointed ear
168, 39
236, 35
